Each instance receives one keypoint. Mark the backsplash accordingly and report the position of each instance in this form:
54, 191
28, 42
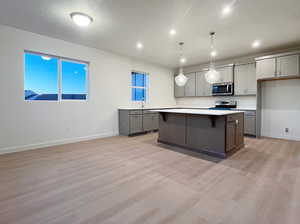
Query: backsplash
242, 101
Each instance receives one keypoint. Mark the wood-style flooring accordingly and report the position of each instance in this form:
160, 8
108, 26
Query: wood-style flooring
134, 180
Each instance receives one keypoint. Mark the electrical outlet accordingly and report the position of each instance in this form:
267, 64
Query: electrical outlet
286, 130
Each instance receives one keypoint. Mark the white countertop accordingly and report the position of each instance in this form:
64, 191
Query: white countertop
181, 107
199, 111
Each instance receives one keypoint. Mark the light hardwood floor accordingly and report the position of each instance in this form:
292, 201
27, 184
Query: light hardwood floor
136, 180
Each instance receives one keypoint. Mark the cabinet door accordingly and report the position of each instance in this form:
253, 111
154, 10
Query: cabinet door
207, 88
231, 133
178, 90
250, 125
190, 86
226, 74
265, 68
136, 123
150, 121
288, 65
245, 79
240, 79
251, 80
200, 84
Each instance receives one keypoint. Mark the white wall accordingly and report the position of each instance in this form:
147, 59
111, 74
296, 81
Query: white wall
242, 101
281, 109
25, 125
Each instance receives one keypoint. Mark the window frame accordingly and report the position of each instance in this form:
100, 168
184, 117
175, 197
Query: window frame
146, 88
59, 75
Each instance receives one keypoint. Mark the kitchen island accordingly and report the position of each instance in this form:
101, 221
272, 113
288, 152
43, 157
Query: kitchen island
214, 132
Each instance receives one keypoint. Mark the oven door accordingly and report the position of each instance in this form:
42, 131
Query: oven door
222, 89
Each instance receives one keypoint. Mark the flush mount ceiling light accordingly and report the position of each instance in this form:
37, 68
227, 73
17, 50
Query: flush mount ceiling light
256, 44
81, 19
212, 76
172, 32
181, 79
46, 58
139, 45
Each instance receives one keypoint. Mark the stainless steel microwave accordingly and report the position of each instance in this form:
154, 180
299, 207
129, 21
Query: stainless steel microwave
222, 89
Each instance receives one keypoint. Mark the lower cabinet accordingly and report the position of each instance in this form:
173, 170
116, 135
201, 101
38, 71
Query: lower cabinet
150, 121
250, 123
137, 121
234, 132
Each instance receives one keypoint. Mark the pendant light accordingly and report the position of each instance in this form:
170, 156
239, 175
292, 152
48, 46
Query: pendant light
212, 76
181, 79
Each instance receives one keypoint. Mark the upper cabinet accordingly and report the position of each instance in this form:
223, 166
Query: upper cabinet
226, 73
245, 79
288, 65
277, 66
178, 90
190, 86
266, 68
203, 88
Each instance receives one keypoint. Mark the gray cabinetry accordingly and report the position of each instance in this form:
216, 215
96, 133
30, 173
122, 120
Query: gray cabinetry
214, 135
137, 121
203, 88
234, 131
178, 90
250, 123
245, 79
172, 128
266, 68
288, 65
150, 121
190, 86
226, 73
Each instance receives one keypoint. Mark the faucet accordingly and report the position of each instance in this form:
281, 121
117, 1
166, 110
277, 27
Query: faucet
142, 103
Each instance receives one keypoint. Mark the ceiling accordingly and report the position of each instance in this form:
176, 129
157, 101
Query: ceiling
119, 24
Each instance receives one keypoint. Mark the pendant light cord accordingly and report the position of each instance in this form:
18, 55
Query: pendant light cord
212, 47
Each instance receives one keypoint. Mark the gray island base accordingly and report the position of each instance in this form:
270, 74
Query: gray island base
213, 132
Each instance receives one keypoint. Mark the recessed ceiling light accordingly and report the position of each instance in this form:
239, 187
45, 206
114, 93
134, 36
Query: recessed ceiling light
213, 53
46, 58
139, 45
226, 10
256, 44
183, 60
81, 19
173, 32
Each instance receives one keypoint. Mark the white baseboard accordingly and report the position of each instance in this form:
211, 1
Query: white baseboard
292, 138
54, 143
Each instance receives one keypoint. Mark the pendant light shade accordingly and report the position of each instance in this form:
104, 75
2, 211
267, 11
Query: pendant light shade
180, 79
212, 76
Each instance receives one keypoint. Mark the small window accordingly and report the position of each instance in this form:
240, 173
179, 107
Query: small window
53, 78
139, 84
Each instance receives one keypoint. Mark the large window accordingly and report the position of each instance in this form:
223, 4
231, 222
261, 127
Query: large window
139, 84
54, 78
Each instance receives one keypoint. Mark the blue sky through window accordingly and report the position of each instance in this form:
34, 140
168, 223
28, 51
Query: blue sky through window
139, 84
41, 78
73, 79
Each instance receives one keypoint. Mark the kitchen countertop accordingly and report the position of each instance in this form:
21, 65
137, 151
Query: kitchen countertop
183, 107
199, 111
